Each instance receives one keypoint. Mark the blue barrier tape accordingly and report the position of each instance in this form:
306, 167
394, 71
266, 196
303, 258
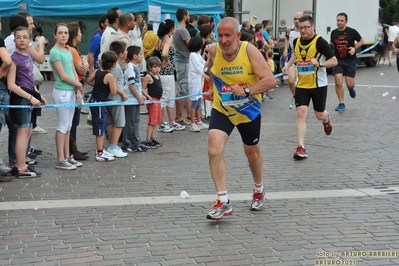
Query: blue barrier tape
109, 103
370, 48
116, 103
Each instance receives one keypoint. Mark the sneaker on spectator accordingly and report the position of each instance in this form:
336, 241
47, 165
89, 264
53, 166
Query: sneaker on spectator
34, 150
165, 128
203, 125
136, 148
187, 121
107, 153
104, 156
340, 107
118, 153
31, 161
300, 152
38, 130
4, 178
149, 144
142, 148
156, 143
32, 169
25, 173
220, 210
31, 155
352, 93
292, 104
65, 165
328, 126
72, 161
177, 126
258, 200
4, 169
194, 128
14, 171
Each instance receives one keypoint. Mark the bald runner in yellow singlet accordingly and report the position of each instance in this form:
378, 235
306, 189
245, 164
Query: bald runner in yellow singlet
239, 109
239, 76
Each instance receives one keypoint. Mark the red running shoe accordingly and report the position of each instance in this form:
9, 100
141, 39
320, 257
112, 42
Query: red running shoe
328, 126
300, 152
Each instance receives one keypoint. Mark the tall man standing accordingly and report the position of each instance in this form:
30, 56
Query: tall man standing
343, 39
312, 55
240, 76
126, 24
291, 34
109, 33
180, 40
137, 36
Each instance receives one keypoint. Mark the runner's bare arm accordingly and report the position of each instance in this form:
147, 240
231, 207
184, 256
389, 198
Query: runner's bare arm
287, 42
209, 64
261, 69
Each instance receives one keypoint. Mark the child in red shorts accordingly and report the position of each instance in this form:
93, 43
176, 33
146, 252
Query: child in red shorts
152, 89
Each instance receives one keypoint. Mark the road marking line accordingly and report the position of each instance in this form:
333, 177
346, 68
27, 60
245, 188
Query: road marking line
363, 85
104, 202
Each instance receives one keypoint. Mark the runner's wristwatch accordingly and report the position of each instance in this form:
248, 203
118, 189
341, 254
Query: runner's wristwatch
247, 91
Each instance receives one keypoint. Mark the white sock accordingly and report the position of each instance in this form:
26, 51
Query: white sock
222, 196
258, 188
326, 119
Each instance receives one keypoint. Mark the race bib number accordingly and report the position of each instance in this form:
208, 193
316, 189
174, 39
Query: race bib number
305, 68
229, 98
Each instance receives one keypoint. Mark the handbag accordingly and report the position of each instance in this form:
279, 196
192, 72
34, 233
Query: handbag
38, 77
157, 51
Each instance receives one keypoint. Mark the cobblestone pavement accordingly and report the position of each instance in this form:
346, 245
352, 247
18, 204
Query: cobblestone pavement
337, 206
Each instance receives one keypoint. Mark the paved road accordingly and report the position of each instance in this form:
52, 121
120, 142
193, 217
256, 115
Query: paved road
342, 199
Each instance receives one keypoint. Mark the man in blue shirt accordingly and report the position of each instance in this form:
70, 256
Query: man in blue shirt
266, 36
94, 49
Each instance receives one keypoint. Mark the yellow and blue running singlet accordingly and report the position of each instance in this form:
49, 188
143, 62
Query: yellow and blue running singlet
227, 73
307, 72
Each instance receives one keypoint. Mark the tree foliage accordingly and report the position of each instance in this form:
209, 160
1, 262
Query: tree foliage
390, 11
229, 7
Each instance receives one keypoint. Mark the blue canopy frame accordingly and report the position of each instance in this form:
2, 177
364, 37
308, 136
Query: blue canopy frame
53, 8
